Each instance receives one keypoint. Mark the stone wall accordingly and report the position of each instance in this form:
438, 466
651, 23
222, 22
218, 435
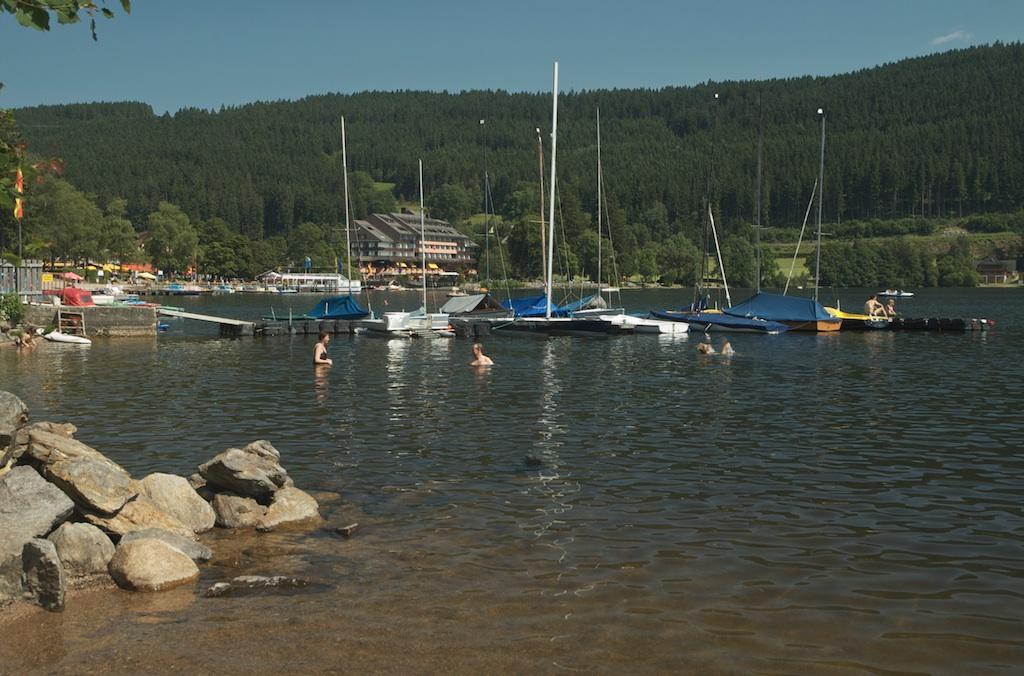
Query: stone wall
120, 321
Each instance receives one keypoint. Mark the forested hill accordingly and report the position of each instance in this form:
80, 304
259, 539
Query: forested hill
928, 136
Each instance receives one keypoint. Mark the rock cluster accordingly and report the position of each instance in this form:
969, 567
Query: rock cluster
71, 516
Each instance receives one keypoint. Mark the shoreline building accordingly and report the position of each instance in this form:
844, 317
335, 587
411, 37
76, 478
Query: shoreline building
390, 245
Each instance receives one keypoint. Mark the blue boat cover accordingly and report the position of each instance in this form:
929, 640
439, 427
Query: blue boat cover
778, 308
705, 319
338, 307
537, 306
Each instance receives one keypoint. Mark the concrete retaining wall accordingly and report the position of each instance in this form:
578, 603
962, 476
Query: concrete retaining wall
120, 321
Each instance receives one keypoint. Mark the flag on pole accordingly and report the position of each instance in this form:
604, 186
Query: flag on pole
19, 187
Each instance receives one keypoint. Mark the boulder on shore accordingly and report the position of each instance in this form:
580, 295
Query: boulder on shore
234, 511
176, 497
89, 478
290, 505
151, 565
139, 514
253, 472
13, 414
190, 548
44, 574
20, 443
83, 549
29, 508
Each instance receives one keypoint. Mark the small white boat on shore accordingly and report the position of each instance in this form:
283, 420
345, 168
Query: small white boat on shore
58, 337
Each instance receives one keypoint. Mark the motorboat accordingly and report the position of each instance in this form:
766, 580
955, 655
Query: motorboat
895, 293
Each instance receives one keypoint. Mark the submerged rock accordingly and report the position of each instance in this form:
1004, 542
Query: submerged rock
89, 478
252, 472
176, 497
290, 505
151, 565
192, 549
44, 574
234, 511
139, 514
29, 508
83, 549
248, 583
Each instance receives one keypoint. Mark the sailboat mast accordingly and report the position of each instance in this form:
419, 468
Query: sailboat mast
757, 200
543, 231
423, 242
821, 182
600, 192
551, 192
348, 236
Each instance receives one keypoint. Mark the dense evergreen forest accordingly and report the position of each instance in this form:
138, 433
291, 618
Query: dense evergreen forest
925, 138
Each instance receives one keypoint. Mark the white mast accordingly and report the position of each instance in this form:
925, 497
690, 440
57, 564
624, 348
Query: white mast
718, 251
423, 238
348, 236
600, 189
821, 189
551, 193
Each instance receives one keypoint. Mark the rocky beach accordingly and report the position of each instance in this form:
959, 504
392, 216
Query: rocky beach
73, 519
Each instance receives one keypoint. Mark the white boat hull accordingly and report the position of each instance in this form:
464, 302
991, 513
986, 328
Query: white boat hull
58, 337
646, 325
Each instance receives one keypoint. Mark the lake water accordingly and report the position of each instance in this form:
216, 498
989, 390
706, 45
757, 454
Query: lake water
834, 503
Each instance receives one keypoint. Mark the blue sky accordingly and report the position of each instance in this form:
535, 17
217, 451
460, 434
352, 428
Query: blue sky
179, 53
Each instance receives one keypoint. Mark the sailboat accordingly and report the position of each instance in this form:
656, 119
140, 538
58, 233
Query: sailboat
698, 317
799, 314
342, 306
539, 315
417, 322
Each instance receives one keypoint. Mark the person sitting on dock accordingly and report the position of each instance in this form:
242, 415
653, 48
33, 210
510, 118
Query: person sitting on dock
873, 308
479, 358
320, 357
705, 348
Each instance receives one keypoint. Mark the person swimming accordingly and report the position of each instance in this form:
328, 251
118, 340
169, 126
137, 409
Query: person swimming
479, 358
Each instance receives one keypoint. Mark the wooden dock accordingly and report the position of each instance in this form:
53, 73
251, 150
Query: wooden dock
280, 327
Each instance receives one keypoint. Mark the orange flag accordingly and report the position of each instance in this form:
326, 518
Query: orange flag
19, 187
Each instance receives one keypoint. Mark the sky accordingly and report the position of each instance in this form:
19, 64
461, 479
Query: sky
176, 54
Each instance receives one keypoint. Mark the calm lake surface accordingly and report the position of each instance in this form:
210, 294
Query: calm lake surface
835, 503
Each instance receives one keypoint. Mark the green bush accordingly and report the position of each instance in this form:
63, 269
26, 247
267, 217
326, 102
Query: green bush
11, 309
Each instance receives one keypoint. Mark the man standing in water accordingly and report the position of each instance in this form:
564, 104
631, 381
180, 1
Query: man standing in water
479, 358
320, 357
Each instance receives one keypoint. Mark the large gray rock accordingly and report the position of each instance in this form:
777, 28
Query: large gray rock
139, 514
83, 549
234, 511
194, 550
253, 471
91, 479
290, 505
29, 508
44, 574
13, 414
175, 496
151, 565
